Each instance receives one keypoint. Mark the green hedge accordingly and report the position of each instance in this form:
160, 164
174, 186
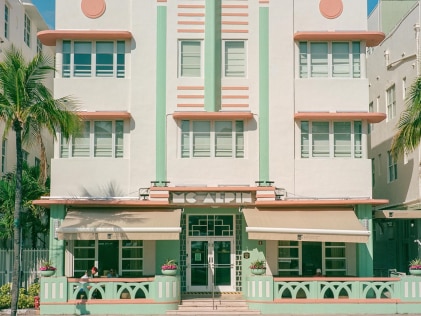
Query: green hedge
26, 298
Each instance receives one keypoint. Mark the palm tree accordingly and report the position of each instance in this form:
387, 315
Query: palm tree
27, 106
408, 134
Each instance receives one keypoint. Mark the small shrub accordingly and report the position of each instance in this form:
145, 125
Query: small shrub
26, 298
5, 296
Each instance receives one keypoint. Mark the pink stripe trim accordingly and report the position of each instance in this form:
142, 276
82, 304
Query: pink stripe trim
212, 115
185, 105
190, 31
234, 88
234, 31
104, 115
236, 105
191, 96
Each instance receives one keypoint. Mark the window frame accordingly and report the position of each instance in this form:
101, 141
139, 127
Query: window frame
192, 136
321, 64
392, 168
181, 57
391, 102
226, 59
6, 21
312, 147
84, 145
73, 50
27, 30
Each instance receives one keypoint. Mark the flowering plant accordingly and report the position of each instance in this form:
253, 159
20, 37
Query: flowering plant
169, 264
258, 264
47, 266
415, 264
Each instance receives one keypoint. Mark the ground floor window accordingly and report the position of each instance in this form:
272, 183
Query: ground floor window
123, 256
296, 258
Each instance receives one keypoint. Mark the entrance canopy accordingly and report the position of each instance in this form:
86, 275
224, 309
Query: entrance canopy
117, 224
324, 225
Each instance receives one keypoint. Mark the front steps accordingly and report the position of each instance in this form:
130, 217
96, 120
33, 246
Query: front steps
206, 306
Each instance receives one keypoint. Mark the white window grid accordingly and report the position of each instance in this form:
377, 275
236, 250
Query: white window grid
321, 143
392, 167
88, 145
182, 68
210, 143
329, 59
114, 69
391, 102
6, 21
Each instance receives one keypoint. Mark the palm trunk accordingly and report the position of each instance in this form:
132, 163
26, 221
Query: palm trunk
17, 224
43, 164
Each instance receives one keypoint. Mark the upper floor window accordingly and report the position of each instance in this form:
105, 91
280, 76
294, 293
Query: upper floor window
6, 21
39, 46
331, 139
3, 155
392, 166
190, 58
234, 59
391, 102
99, 59
96, 139
25, 156
27, 31
212, 139
329, 59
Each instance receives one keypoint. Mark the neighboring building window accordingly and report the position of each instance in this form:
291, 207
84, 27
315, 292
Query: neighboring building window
102, 58
331, 139
373, 173
212, 139
37, 162
25, 156
371, 110
392, 167
27, 31
326, 59
190, 59
404, 88
3, 155
127, 254
235, 59
39, 46
96, 139
391, 102
291, 253
6, 21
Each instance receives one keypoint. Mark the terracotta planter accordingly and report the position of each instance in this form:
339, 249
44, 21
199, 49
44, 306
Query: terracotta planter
169, 272
258, 271
47, 273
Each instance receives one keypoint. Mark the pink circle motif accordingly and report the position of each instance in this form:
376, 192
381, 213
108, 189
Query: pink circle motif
93, 8
331, 9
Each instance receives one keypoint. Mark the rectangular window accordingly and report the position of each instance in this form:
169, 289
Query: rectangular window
37, 162
6, 21
320, 141
27, 31
335, 258
101, 59
84, 256
82, 59
212, 139
67, 54
392, 167
104, 59
329, 59
190, 59
331, 139
81, 143
288, 258
342, 139
371, 110
3, 155
391, 102
235, 59
97, 139
373, 173
132, 258
319, 59
39, 46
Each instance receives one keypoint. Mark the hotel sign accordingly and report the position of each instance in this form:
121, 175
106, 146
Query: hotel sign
209, 198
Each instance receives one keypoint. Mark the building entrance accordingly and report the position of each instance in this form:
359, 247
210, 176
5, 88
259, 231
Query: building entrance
210, 254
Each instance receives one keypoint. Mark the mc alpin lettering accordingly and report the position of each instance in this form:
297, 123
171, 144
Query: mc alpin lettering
212, 198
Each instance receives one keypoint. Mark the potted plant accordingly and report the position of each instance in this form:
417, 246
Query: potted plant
169, 267
258, 266
415, 266
47, 269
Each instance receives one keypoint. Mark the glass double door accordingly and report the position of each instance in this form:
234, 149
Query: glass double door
210, 264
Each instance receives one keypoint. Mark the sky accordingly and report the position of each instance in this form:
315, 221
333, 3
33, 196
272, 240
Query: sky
47, 8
